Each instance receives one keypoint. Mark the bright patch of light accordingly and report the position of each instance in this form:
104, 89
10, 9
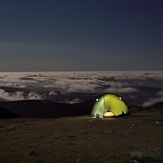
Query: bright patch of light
120, 98
96, 99
108, 114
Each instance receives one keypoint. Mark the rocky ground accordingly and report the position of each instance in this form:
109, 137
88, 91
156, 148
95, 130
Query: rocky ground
132, 139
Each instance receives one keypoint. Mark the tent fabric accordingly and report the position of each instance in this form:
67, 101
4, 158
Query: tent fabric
110, 102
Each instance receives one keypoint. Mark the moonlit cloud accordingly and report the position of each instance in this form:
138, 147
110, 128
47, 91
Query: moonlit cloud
121, 90
152, 101
52, 93
11, 96
130, 83
18, 95
160, 93
73, 101
13, 85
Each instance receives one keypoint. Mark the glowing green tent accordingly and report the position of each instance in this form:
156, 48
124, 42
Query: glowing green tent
109, 102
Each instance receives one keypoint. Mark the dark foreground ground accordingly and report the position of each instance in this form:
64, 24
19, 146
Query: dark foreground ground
135, 138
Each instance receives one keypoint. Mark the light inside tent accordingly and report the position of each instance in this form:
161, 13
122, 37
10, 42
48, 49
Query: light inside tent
108, 114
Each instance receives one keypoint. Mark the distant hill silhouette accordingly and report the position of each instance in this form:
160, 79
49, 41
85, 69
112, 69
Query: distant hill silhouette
47, 109
52, 109
6, 114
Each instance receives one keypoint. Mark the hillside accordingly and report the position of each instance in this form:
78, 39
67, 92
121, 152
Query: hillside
134, 138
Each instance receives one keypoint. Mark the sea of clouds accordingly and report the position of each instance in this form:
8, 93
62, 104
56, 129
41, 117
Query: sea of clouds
137, 87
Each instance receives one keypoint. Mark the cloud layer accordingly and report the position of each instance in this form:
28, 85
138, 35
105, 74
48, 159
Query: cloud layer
134, 84
18, 95
151, 101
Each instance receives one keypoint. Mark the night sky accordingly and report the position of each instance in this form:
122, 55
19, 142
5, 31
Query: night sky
60, 35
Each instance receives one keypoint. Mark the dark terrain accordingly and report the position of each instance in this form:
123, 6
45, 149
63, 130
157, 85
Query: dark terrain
47, 132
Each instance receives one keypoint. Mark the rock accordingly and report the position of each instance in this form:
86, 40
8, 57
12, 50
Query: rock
157, 121
154, 155
134, 125
11, 128
90, 138
34, 152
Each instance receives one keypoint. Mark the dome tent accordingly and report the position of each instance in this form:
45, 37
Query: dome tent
109, 102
